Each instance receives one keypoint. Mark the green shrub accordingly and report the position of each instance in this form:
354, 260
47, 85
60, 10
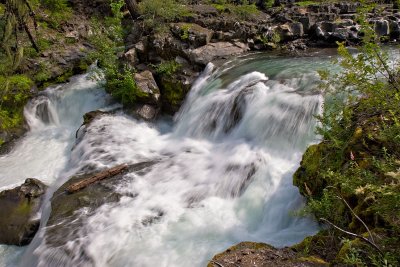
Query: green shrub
15, 90
164, 10
108, 42
14, 95
56, 5
168, 67
58, 11
306, 3
122, 86
357, 161
269, 3
245, 11
242, 11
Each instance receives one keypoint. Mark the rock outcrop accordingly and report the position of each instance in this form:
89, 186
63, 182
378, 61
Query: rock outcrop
65, 218
209, 34
219, 50
248, 254
19, 212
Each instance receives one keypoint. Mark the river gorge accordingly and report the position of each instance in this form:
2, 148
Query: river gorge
220, 171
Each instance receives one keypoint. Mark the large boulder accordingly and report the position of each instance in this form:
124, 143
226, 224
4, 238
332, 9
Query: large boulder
175, 87
213, 51
192, 33
290, 31
131, 57
149, 93
382, 27
19, 220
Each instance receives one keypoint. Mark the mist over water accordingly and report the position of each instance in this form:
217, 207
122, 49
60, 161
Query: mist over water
222, 169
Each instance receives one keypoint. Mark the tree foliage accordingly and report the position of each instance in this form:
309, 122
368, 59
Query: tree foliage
18, 14
357, 159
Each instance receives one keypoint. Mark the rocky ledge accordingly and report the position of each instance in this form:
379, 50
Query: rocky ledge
177, 55
246, 254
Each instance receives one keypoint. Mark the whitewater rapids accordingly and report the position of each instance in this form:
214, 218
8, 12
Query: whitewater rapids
223, 171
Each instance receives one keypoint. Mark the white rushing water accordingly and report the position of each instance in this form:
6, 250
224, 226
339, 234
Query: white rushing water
223, 171
44, 151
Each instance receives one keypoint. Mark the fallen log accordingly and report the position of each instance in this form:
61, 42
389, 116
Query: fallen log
97, 177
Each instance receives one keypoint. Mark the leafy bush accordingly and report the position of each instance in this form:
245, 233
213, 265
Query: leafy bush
168, 67
14, 95
269, 3
242, 11
245, 11
56, 5
108, 41
122, 86
306, 3
15, 90
164, 10
357, 161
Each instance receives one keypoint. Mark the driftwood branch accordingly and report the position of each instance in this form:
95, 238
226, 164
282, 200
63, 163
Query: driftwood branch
97, 177
352, 234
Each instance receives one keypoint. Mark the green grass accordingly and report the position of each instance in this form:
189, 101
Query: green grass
306, 3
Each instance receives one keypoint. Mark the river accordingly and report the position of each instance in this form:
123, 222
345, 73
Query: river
223, 174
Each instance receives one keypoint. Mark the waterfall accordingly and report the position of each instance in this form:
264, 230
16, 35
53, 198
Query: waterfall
222, 169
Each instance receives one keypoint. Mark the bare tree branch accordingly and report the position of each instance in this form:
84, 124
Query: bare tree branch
352, 234
355, 215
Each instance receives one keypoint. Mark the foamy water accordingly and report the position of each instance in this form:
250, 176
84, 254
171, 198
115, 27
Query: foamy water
222, 173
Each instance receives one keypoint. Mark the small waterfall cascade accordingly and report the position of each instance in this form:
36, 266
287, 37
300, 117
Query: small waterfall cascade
221, 173
53, 118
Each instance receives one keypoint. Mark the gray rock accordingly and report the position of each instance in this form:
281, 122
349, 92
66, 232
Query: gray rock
297, 29
284, 32
317, 33
194, 34
345, 8
306, 21
144, 111
212, 51
382, 27
149, 91
224, 36
141, 49
394, 30
344, 23
340, 34
19, 220
131, 57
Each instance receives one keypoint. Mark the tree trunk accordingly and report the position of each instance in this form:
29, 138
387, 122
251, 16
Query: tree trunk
97, 177
133, 8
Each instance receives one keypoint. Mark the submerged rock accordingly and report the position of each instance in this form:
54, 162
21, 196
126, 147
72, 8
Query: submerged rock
19, 220
70, 211
143, 111
246, 254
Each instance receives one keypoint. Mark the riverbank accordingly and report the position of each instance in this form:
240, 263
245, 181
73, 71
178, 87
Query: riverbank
170, 52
